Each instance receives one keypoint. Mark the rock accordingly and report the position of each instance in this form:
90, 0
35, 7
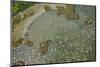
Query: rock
60, 10
43, 47
47, 8
70, 12
88, 21
19, 63
28, 42
17, 42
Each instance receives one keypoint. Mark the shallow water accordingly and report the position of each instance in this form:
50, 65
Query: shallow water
71, 40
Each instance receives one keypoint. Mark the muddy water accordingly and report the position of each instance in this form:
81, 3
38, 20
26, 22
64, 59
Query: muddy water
70, 40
